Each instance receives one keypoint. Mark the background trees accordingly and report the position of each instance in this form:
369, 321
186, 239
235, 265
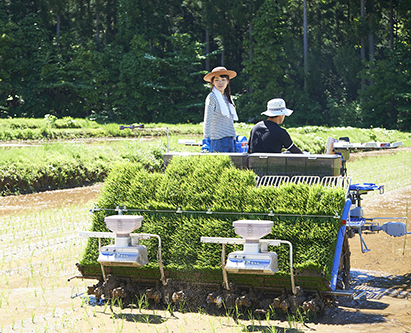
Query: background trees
143, 60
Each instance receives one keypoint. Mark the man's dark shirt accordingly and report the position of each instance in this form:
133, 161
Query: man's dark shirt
268, 137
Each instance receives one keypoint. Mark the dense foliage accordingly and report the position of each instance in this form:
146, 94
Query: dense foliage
143, 61
200, 185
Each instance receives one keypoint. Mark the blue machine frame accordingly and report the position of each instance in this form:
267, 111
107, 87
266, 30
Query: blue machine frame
338, 248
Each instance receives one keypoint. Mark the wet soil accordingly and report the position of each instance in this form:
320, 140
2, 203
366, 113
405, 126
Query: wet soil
47, 302
383, 274
24, 204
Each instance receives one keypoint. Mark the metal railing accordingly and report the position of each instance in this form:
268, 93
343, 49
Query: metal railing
328, 181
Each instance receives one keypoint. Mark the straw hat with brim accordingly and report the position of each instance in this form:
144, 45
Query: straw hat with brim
218, 71
276, 107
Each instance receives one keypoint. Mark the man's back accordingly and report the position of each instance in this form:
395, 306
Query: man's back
268, 137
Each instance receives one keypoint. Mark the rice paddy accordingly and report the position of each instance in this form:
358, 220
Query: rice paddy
38, 252
40, 247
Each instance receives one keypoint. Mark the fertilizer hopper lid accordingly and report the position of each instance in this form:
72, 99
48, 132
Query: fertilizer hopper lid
252, 230
123, 225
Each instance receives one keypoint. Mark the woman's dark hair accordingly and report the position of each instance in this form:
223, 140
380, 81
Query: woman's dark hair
227, 91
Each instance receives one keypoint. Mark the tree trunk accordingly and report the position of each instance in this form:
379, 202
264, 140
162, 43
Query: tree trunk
371, 38
305, 45
250, 32
58, 29
97, 30
207, 64
391, 25
362, 43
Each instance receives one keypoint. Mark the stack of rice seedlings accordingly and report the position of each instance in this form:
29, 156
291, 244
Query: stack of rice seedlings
202, 196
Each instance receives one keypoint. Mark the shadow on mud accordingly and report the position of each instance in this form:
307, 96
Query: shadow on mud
348, 312
158, 319
270, 329
373, 285
140, 318
376, 286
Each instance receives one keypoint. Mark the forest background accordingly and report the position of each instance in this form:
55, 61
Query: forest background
336, 63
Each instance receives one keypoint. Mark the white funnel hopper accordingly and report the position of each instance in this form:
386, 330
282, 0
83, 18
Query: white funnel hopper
122, 226
252, 231
122, 253
252, 260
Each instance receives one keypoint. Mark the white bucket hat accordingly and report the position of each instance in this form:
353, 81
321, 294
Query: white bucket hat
276, 107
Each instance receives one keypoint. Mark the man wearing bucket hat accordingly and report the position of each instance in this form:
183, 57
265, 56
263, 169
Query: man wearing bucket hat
220, 112
267, 136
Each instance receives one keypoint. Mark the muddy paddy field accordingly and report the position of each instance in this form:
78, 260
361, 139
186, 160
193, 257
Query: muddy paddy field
39, 247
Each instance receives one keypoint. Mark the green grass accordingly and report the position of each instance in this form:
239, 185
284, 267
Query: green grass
309, 138
51, 128
62, 165
393, 171
59, 161
313, 138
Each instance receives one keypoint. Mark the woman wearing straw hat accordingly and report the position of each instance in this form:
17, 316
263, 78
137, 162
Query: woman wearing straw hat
220, 113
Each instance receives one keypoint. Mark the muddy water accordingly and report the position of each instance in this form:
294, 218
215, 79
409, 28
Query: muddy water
387, 253
387, 264
22, 204
382, 275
